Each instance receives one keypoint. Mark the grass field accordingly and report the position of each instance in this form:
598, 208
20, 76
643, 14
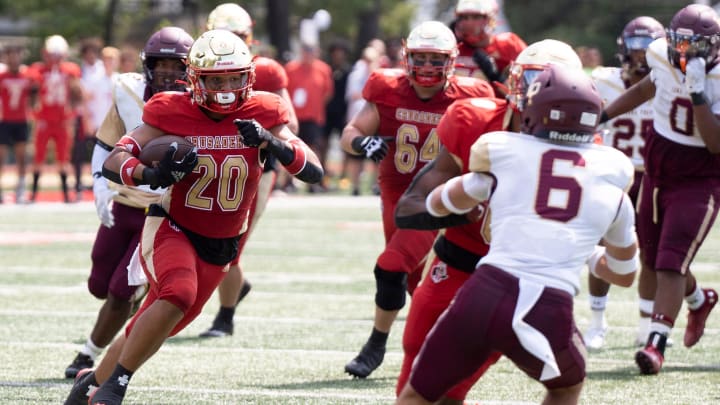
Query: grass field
310, 310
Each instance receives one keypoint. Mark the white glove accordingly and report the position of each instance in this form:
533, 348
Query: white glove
695, 75
103, 198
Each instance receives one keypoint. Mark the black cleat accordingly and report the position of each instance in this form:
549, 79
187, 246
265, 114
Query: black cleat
106, 396
366, 362
219, 328
81, 362
84, 386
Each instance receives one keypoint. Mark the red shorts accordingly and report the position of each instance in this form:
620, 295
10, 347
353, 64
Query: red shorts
59, 133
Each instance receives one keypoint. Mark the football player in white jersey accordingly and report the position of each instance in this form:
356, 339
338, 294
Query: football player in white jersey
519, 300
678, 200
626, 133
121, 209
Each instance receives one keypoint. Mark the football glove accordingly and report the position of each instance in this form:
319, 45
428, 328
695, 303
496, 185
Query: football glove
169, 171
486, 63
103, 197
372, 147
695, 75
253, 134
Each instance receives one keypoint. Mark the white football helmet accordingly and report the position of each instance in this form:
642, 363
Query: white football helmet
231, 17
532, 60
220, 53
475, 31
56, 45
430, 37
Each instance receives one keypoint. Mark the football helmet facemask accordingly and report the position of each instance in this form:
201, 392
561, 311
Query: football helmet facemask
637, 36
694, 32
562, 105
166, 43
533, 60
468, 27
231, 17
429, 54
220, 71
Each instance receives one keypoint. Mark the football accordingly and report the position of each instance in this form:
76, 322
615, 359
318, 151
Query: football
155, 150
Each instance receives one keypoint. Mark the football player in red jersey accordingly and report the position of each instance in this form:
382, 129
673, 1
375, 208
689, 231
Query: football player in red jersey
18, 86
60, 94
269, 76
402, 109
466, 238
192, 234
121, 209
481, 52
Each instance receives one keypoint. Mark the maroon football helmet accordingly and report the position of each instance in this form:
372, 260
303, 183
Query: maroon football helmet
694, 32
167, 43
562, 105
637, 36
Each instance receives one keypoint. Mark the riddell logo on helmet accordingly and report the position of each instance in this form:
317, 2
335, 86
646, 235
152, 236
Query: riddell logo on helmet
167, 50
570, 137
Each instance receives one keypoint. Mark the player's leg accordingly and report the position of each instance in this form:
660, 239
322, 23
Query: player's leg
63, 144
42, 137
594, 336
3, 153
20, 149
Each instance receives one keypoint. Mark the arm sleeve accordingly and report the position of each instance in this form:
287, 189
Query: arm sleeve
622, 231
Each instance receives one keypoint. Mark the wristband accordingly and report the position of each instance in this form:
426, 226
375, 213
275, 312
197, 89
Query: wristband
445, 198
429, 208
300, 159
623, 267
129, 144
698, 98
127, 168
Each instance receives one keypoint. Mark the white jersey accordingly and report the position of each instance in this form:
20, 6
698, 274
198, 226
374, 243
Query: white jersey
672, 105
128, 97
552, 204
626, 132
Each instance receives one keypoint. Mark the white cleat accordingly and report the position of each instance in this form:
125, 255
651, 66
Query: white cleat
595, 338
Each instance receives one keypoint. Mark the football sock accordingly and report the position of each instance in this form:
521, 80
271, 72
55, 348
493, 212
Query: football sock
90, 349
646, 306
377, 338
36, 180
695, 299
598, 303
63, 185
119, 380
226, 314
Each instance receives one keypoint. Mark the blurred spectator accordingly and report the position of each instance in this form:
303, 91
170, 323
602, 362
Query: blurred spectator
60, 96
17, 86
336, 108
129, 59
591, 57
310, 86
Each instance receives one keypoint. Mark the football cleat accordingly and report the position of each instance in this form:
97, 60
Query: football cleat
696, 318
641, 340
80, 362
649, 360
105, 396
83, 387
219, 328
595, 337
369, 359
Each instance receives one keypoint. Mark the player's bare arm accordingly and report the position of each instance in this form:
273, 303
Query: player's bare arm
365, 123
637, 94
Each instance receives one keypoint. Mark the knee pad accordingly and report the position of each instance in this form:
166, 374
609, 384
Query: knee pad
390, 289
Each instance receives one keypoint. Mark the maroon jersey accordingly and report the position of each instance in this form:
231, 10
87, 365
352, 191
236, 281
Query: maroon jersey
464, 122
215, 198
504, 48
410, 122
15, 90
269, 75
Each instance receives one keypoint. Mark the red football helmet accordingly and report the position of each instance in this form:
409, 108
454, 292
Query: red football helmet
166, 43
219, 57
562, 105
694, 32
420, 54
637, 36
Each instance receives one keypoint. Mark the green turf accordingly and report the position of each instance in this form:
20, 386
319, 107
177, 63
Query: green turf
310, 262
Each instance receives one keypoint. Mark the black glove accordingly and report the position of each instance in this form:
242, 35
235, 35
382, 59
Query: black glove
169, 171
372, 147
253, 134
486, 63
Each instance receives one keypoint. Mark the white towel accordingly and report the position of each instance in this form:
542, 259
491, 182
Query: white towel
530, 338
136, 275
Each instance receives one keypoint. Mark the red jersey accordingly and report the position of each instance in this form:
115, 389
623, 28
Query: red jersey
215, 198
310, 86
464, 122
54, 97
269, 75
410, 122
504, 48
15, 88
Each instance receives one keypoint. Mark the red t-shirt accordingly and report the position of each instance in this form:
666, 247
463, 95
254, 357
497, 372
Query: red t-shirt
54, 96
504, 48
464, 122
410, 122
269, 75
15, 88
215, 198
310, 86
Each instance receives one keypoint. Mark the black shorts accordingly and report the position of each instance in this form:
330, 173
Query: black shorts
14, 132
310, 132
